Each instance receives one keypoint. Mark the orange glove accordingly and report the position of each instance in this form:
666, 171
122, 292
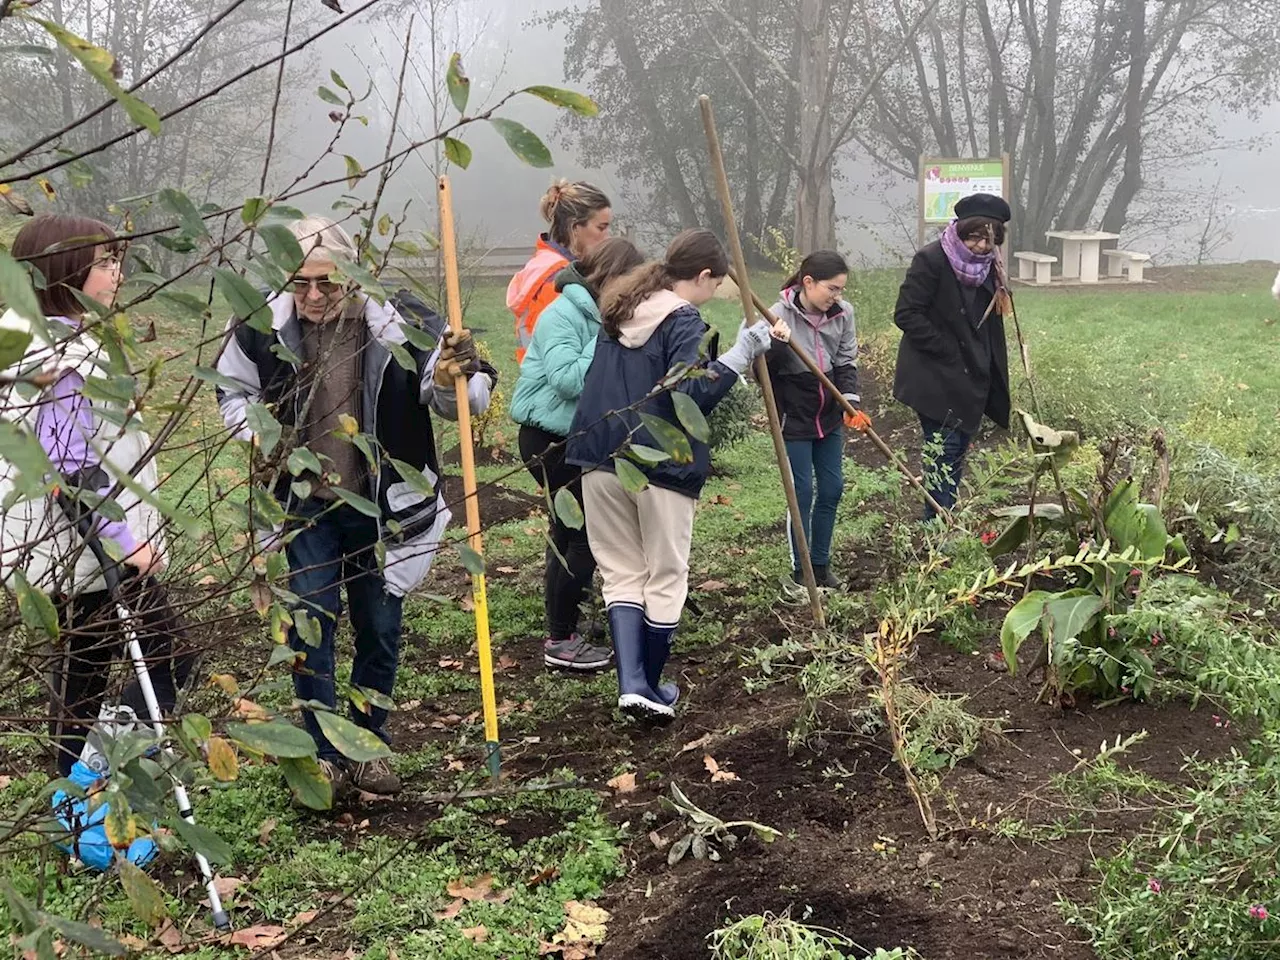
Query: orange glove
857, 421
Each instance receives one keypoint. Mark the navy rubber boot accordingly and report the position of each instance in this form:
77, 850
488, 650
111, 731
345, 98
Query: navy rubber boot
635, 697
657, 650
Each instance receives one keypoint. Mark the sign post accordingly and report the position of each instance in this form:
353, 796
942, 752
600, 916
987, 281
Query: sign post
945, 181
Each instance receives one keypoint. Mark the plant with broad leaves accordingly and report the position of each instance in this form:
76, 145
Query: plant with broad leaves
1086, 643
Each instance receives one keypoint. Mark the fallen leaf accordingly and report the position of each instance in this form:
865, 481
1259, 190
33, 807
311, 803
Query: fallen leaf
262, 937
250, 710
305, 917
623, 783
449, 663
365, 797
5, 781
567, 951
452, 910
712, 586
720, 500
549, 875
658, 840
410, 705
476, 934
468, 603
713, 768
470, 891
506, 663
207, 580
170, 937
226, 681
454, 765
268, 827
692, 745
507, 570
226, 887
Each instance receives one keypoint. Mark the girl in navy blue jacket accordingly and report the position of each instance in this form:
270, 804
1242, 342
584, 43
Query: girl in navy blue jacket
650, 323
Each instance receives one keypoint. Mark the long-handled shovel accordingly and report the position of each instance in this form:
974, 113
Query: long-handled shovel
453, 290
849, 408
761, 368
83, 521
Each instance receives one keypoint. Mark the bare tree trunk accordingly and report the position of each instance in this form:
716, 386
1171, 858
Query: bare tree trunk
815, 196
629, 56
1131, 180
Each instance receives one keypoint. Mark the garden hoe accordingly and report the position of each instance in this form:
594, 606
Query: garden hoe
83, 521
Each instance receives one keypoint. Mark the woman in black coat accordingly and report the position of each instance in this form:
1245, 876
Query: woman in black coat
952, 363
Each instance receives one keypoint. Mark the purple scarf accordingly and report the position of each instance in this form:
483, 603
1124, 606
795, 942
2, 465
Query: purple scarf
970, 268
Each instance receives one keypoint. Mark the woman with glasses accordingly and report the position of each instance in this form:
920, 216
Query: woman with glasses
822, 324
91, 443
953, 367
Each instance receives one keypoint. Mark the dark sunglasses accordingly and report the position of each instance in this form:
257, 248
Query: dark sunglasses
326, 286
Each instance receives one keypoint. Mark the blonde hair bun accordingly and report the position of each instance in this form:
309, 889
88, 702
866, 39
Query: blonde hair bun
551, 199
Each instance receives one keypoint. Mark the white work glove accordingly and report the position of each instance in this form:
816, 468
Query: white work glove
752, 342
853, 399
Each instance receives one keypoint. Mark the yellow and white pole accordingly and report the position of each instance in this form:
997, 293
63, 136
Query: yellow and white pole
453, 292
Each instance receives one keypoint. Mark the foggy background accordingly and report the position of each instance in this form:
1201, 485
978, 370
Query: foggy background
215, 151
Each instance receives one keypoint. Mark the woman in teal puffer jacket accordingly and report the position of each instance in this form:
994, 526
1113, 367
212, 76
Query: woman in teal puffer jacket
544, 402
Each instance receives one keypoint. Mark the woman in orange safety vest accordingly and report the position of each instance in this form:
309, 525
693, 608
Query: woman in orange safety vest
579, 215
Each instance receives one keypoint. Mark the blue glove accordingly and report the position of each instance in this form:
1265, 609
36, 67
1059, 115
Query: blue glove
88, 834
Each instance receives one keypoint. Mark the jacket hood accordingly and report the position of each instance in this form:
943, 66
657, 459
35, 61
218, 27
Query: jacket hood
636, 331
569, 275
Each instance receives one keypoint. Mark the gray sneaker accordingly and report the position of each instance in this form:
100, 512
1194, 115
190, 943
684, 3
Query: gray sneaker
576, 654
376, 776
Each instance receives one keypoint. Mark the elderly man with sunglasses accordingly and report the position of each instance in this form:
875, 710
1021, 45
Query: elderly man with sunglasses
330, 370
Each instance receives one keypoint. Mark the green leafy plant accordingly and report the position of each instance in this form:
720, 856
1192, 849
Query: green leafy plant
1082, 648
708, 832
1202, 881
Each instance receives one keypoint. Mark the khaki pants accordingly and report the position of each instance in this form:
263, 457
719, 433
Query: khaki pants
641, 544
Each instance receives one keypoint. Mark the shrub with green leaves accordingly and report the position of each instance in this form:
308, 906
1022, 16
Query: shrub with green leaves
1202, 882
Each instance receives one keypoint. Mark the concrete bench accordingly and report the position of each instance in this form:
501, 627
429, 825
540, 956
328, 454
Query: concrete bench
1120, 260
1032, 264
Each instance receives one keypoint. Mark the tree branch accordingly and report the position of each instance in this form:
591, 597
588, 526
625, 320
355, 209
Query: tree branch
29, 174
105, 105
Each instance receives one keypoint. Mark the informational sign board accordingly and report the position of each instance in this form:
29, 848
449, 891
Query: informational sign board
943, 182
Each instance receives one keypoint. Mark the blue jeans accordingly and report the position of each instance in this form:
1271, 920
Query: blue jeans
943, 457
823, 461
335, 546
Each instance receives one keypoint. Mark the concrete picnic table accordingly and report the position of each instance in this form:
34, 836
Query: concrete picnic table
1081, 252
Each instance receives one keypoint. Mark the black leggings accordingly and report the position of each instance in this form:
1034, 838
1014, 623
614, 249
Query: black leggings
564, 589
91, 639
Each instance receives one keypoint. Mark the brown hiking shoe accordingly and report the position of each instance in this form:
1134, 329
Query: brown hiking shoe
376, 776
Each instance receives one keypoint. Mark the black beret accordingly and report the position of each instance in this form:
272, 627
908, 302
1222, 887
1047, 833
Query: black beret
983, 205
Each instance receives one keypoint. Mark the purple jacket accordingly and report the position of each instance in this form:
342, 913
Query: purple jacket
64, 426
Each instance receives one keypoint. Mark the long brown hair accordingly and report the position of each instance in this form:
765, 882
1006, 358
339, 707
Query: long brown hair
607, 261
42, 240
691, 252
566, 205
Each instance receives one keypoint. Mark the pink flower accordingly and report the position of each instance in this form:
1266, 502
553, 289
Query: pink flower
1153, 885
1111, 632
1135, 572
1258, 912
989, 538
1156, 639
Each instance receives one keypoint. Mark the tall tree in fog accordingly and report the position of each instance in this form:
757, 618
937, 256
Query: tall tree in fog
210, 151
1089, 96
645, 65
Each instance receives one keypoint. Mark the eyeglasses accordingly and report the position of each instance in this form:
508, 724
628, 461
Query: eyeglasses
324, 285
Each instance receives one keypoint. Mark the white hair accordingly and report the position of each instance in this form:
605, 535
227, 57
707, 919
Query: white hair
322, 238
